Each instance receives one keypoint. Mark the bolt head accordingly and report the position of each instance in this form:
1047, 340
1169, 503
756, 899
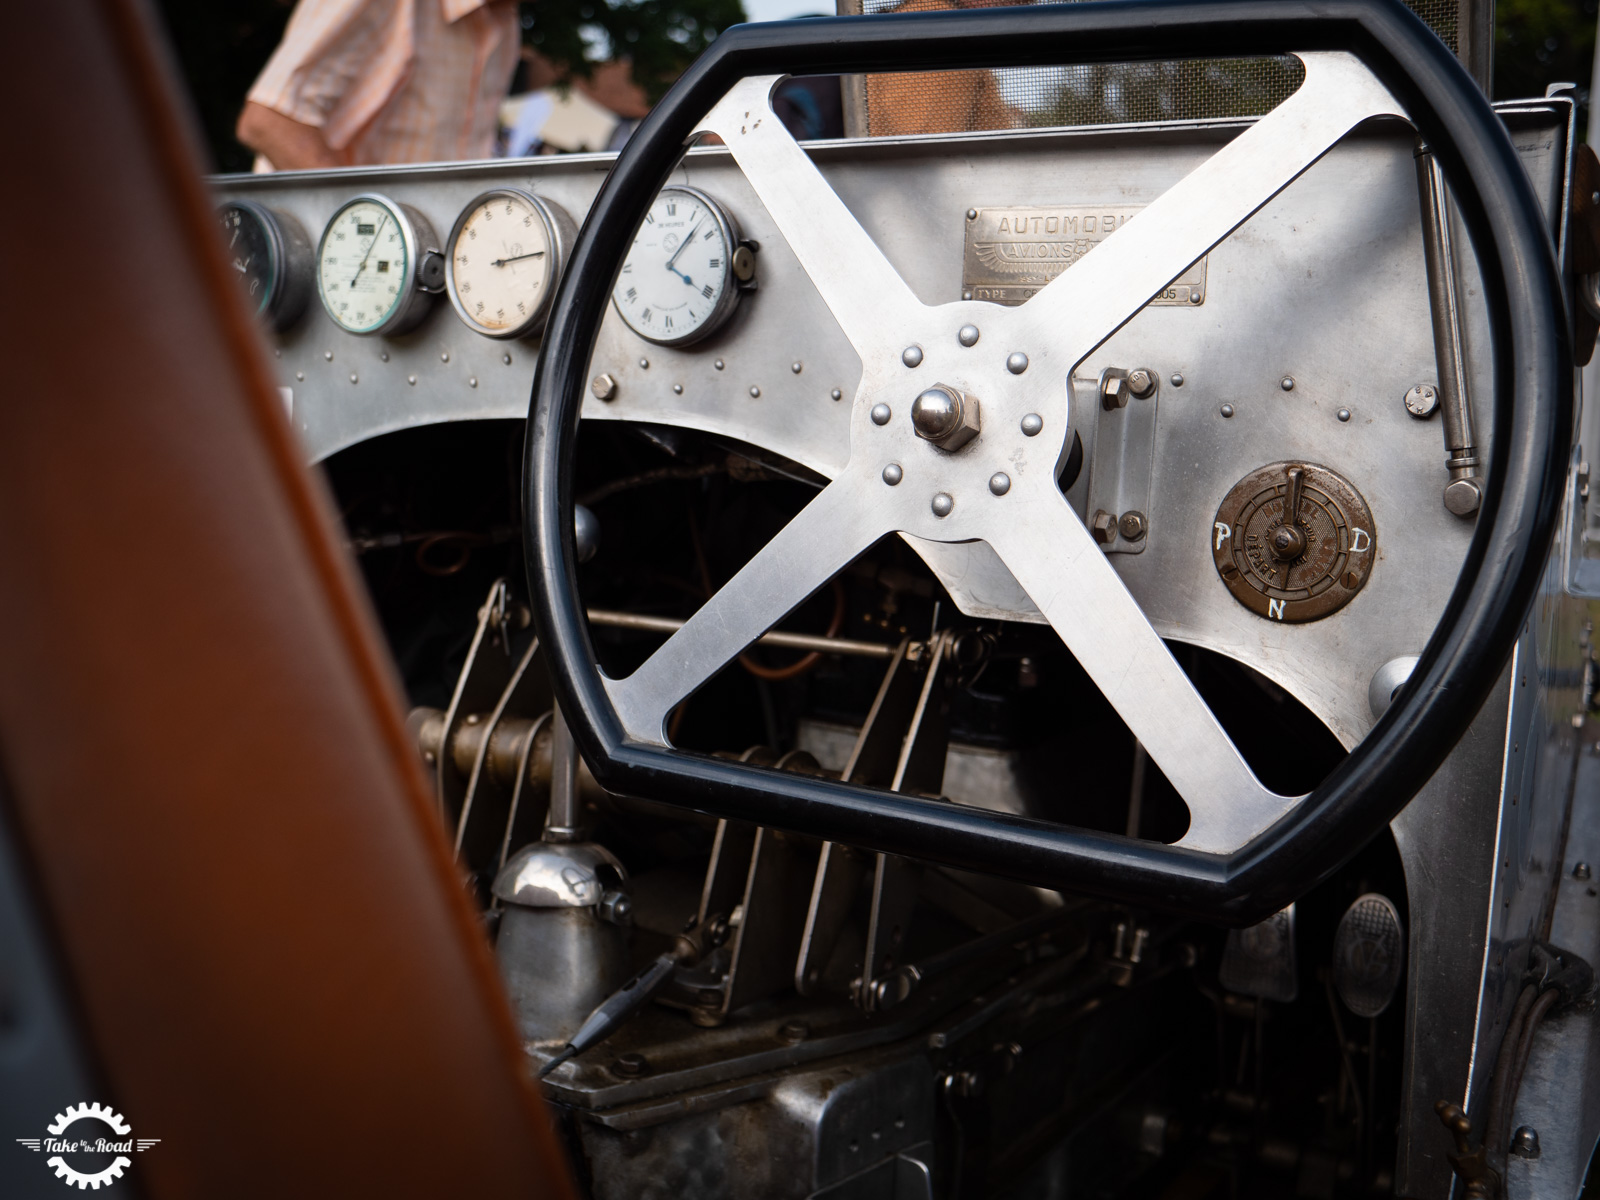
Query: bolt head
794, 1031
630, 1066
936, 413
1287, 383
1132, 526
911, 356
893, 474
755, 392
836, 394
1227, 410
881, 414
1016, 362
1422, 400
604, 387
1142, 383
943, 505
796, 367
1177, 379
1581, 871
1344, 414
1114, 390
968, 336
945, 416
1032, 424
1462, 496
1103, 526
1525, 1142
999, 483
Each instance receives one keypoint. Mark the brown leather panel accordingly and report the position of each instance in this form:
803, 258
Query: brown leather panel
280, 974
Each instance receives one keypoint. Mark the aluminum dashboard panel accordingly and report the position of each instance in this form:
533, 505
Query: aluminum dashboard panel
1314, 324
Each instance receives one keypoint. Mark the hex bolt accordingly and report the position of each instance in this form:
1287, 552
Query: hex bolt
1104, 527
1032, 424
1114, 390
943, 504
1132, 526
630, 1066
1142, 383
999, 483
1016, 362
893, 474
968, 336
881, 414
604, 387
911, 356
1422, 401
945, 416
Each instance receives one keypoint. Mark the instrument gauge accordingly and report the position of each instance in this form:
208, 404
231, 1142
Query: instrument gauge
270, 255
684, 273
377, 266
503, 259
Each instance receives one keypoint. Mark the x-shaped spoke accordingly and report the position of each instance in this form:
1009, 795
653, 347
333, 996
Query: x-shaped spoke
857, 283
1084, 306
823, 539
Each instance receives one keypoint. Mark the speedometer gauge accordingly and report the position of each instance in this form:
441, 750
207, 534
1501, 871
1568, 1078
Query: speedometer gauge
682, 277
504, 257
376, 266
270, 256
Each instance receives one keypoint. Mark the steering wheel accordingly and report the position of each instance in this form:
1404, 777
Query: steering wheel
1248, 851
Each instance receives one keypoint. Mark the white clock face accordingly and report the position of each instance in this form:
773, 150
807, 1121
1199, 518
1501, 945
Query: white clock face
675, 283
501, 264
363, 274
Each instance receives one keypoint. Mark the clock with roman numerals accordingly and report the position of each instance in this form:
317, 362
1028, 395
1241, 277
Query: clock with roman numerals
685, 271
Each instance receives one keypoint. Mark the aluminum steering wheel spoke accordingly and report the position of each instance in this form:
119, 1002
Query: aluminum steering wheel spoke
1084, 306
864, 292
826, 536
1054, 558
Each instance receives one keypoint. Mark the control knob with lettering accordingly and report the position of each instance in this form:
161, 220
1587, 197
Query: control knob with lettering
1294, 541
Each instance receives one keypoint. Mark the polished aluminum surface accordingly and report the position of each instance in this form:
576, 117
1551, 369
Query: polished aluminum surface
556, 875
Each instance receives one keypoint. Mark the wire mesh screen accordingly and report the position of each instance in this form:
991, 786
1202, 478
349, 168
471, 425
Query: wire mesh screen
1097, 94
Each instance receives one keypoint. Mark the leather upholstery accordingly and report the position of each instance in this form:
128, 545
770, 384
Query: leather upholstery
275, 964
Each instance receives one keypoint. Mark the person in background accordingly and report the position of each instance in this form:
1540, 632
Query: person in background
382, 81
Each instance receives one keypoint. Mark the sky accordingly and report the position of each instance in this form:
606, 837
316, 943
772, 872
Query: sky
780, 10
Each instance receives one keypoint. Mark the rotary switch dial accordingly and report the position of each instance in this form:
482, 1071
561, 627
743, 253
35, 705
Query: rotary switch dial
1294, 541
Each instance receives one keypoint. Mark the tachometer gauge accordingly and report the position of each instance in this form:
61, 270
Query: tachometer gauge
270, 254
377, 266
682, 277
504, 257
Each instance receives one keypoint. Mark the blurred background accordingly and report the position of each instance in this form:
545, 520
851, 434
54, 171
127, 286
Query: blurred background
590, 69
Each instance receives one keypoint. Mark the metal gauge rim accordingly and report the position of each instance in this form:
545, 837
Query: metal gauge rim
411, 296
276, 251
555, 236
729, 299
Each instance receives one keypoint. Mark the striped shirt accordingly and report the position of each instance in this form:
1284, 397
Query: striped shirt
395, 80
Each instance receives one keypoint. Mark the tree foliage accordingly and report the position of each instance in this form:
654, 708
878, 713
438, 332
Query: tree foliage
660, 37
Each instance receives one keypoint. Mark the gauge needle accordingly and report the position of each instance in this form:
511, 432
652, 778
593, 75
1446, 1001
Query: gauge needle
500, 262
370, 245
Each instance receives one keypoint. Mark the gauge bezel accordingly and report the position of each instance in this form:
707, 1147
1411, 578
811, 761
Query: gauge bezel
289, 255
559, 231
731, 290
414, 299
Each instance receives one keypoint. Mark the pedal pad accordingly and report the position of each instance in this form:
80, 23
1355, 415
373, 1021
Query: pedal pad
1368, 953
1260, 961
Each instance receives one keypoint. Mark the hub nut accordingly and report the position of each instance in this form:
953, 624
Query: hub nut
945, 416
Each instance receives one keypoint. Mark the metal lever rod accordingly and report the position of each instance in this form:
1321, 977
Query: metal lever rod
1464, 492
615, 1009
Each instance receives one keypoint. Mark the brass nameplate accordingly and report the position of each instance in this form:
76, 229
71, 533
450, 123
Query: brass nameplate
1013, 252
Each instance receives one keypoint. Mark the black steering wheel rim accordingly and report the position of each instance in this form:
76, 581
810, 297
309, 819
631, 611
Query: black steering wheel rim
1525, 470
